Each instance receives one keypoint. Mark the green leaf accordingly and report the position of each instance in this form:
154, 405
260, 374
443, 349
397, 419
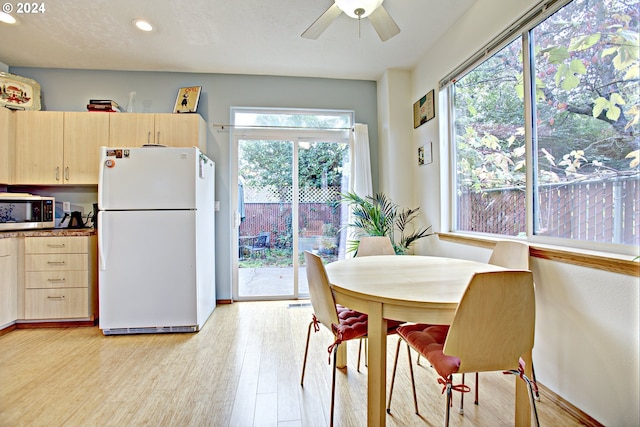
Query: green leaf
632, 73
490, 141
616, 99
584, 42
634, 112
599, 105
570, 82
578, 67
613, 113
566, 75
556, 54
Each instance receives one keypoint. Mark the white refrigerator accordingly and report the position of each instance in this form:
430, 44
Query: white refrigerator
155, 240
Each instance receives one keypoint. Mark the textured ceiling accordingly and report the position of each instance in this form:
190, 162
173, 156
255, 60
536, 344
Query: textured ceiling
221, 36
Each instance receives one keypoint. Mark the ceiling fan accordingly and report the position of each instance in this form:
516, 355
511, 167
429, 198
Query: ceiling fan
382, 22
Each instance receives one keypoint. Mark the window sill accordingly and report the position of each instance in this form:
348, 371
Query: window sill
599, 260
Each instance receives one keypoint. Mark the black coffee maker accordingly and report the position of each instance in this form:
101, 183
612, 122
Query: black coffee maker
94, 216
74, 220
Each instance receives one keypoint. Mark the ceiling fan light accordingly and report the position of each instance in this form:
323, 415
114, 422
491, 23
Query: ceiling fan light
350, 6
7, 19
142, 25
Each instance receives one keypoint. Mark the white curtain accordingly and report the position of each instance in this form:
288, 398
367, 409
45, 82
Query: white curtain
361, 161
360, 177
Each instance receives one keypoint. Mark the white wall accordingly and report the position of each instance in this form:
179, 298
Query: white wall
587, 324
396, 154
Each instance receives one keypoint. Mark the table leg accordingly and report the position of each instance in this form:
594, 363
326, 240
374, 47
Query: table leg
377, 370
341, 357
523, 408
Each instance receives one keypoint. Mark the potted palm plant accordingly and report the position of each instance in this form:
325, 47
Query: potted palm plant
378, 216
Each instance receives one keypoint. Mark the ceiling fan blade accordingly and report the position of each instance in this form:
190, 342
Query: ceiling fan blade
322, 23
383, 23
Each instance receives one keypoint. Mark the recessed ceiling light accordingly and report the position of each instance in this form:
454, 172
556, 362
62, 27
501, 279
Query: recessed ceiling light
6, 18
142, 25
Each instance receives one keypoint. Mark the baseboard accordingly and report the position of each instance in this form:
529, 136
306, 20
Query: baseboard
224, 301
577, 413
54, 324
8, 329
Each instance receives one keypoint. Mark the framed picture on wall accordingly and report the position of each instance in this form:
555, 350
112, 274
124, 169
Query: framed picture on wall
424, 109
187, 100
424, 154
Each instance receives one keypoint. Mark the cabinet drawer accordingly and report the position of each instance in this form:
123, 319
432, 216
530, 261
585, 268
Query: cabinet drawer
56, 262
56, 245
7, 248
56, 303
56, 279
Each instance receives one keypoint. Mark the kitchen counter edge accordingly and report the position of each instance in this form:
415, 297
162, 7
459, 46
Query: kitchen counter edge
48, 232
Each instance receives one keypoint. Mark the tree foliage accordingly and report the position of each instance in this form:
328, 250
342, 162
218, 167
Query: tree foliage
587, 107
269, 163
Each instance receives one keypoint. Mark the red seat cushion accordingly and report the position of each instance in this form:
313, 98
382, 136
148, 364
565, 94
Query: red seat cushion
428, 340
353, 324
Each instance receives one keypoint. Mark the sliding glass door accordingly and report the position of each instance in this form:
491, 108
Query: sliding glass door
289, 188
265, 234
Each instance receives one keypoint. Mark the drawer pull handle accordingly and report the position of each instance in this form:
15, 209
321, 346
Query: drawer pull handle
55, 262
56, 280
59, 245
61, 297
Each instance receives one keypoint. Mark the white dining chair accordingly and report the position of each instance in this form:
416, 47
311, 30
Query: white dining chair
375, 245
492, 328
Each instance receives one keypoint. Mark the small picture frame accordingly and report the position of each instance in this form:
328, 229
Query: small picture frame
187, 99
19, 93
424, 109
425, 154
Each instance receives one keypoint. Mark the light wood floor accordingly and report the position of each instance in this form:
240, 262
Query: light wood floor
242, 369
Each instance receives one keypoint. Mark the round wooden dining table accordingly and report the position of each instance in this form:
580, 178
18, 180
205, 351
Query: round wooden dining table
420, 289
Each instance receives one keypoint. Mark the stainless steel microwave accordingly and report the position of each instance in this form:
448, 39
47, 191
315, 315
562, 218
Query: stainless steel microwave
22, 211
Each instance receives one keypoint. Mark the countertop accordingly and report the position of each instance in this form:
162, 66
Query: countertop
52, 232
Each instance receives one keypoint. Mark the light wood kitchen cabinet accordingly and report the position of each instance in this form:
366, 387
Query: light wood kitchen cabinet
60, 278
39, 142
84, 134
172, 130
6, 145
8, 279
58, 148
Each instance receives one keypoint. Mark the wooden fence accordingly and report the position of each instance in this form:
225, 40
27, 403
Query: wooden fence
315, 219
599, 211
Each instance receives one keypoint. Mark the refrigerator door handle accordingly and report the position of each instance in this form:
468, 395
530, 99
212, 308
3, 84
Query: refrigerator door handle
101, 176
102, 260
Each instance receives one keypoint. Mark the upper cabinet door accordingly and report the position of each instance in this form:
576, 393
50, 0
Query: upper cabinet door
181, 130
131, 129
38, 148
6, 148
84, 134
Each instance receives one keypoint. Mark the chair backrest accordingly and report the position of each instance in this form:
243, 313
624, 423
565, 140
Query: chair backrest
324, 305
375, 245
495, 321
510, 254
262, 240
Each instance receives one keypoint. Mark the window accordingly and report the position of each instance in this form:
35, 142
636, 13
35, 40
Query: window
551, 116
